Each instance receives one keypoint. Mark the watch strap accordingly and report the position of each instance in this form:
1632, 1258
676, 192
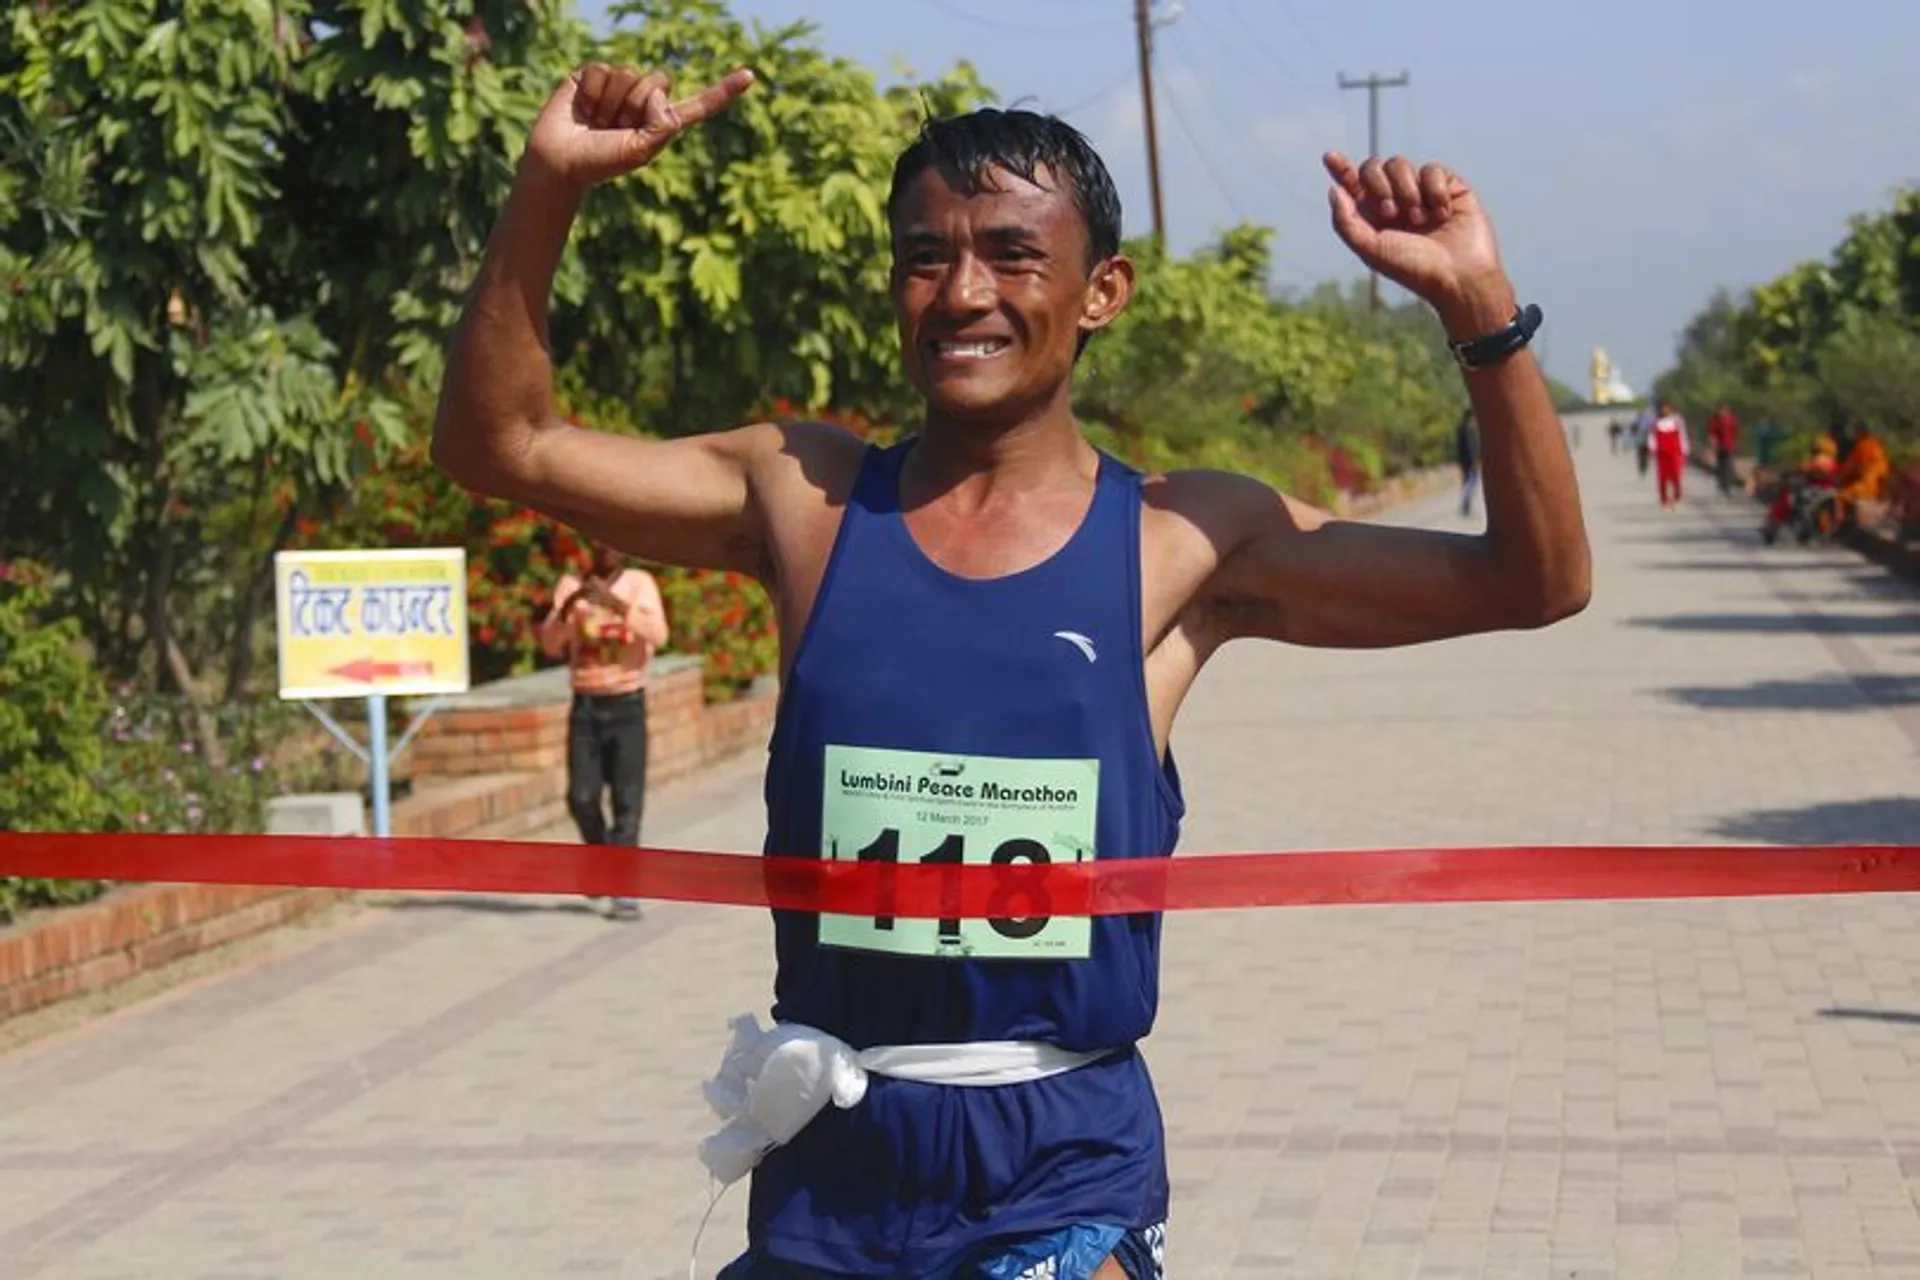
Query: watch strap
1491, 348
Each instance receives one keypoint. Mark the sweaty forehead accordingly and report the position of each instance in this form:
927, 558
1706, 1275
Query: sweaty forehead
938, 201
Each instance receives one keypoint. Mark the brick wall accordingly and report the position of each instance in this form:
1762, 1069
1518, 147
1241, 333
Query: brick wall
490, 765
520, 726
53, 955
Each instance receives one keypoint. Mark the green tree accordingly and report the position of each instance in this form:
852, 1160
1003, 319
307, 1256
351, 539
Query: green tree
1825, 340
141, 143
749, 261
230, 229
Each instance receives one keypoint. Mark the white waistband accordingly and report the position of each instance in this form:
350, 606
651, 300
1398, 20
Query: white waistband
979, 1064
772, 1083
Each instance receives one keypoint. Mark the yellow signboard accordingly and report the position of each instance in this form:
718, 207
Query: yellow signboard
354, 623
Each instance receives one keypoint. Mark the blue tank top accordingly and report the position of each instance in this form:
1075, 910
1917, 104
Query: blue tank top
933, 718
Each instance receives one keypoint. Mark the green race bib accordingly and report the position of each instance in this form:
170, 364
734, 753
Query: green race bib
919, 807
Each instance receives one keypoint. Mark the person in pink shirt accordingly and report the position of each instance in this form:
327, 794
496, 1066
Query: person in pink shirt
1670, 450
607, 626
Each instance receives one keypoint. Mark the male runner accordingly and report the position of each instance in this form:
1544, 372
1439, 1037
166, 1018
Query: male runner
986, 631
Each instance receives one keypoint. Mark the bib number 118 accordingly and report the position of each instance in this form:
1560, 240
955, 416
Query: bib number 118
953, 850
1020, 923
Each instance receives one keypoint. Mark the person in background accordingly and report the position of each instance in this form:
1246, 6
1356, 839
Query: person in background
607, 626
1866, 468
1466, 449
1723, 430
1671, 447
1842, 434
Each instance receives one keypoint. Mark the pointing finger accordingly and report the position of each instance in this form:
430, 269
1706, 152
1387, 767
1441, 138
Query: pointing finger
1341, 170
712, 100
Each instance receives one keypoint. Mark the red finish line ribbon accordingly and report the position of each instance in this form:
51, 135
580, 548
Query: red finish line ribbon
1115, 887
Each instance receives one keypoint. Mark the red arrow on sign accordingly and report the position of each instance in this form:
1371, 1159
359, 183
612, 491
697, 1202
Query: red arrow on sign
366, 670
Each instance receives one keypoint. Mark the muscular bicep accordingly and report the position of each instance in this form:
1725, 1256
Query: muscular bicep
1298, 574
688, 501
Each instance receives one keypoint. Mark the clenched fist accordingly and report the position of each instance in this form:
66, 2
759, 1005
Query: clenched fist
1422, 228
606, 121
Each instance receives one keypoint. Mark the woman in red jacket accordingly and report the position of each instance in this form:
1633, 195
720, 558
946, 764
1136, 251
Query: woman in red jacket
1670, 450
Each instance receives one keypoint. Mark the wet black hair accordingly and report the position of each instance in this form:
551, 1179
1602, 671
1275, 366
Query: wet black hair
966, 147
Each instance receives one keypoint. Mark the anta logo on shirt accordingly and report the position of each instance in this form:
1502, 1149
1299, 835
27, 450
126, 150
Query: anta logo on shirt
1080, 642
1046, 1270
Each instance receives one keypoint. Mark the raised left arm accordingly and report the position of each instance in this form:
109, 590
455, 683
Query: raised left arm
1288, 571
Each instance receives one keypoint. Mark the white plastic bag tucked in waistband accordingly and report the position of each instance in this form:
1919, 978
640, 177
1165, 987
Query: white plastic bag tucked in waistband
773, 1082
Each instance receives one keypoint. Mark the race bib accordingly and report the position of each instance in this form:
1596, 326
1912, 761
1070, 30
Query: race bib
918, 807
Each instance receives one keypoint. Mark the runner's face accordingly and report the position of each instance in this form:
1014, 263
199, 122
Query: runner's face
992, 290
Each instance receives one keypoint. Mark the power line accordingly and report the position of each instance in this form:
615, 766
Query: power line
1206, 163
1260, 42
1294, 18
1126, 78
1236, 49
1200, 153
1280, 183
1002, 24
1373, 84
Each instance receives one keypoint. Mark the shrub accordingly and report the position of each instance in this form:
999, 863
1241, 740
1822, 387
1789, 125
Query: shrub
51, 704
164, 779
728, 619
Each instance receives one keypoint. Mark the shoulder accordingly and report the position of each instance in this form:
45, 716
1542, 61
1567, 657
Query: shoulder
801, 478
819, 453
1226, 505
1196, 525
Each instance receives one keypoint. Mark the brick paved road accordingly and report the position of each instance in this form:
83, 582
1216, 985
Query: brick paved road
486, 1089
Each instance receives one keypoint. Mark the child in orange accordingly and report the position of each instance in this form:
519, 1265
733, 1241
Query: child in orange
607, 625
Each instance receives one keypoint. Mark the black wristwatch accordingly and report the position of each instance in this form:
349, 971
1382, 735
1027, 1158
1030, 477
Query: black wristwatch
1492, 348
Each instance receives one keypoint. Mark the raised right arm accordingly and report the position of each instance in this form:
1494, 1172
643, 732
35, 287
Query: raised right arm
687, 501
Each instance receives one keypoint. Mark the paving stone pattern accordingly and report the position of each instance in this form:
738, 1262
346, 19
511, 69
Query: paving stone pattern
482, 1088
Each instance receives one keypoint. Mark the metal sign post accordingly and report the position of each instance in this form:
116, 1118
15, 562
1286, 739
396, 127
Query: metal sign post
372, 624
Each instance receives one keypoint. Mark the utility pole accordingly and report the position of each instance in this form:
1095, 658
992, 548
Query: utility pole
1373, 85
1143, 24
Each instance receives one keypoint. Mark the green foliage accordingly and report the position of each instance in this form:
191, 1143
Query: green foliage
1823, 342
515, 557
76, 757
726, 618
1207, 368
51, 704
164, 780
750, 259
234, 236
229, 230
1870, 372
410, 117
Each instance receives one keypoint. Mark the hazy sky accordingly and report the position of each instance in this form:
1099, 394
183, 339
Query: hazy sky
1634, 155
